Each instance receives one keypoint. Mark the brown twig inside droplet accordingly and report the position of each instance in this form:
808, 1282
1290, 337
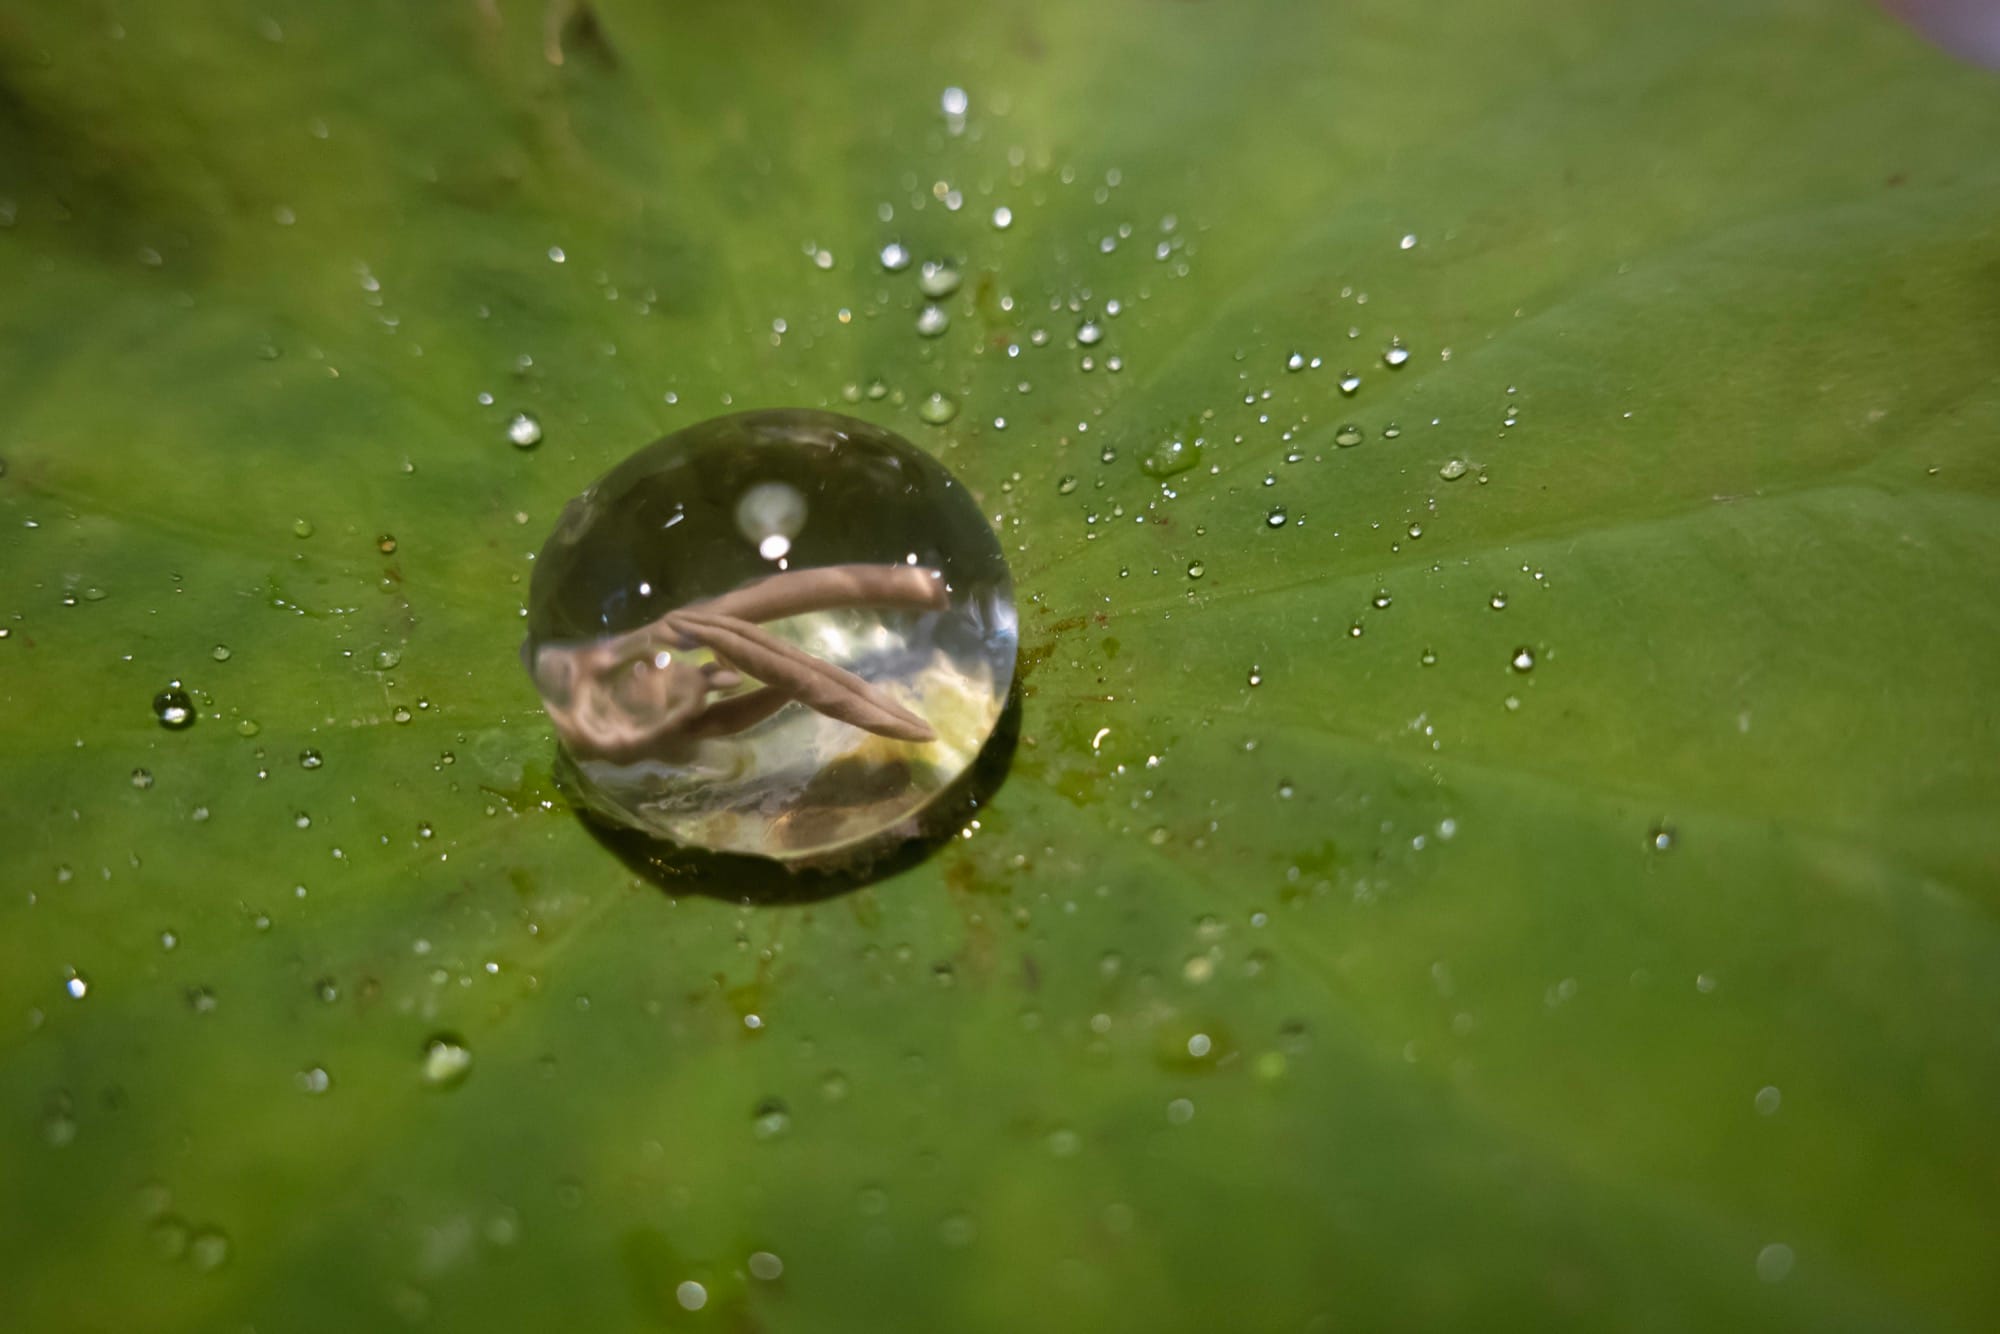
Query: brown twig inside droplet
590, 706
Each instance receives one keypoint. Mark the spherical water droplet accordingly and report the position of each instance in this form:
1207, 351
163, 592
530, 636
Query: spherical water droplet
302, 527
1256, 675
1395, 355
936, 279
1524, 660
75, 985
1003, 218
1295, 362
174, 708
447, 1061
953, 101
1452, 470
1347, 436
771, 1119
1662, 837
895, 257
677, 722
938, 409
1196, 569
1276, 518
932, 321
1409, 242
524, 430
691, 1295
1089, 333
220, 653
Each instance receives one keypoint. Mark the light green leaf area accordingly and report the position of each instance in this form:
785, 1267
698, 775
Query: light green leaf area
1315, 967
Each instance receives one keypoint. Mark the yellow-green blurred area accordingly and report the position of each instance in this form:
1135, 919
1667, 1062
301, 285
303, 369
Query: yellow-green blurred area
1501, 838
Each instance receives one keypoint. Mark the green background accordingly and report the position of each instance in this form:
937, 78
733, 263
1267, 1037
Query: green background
1480, 1053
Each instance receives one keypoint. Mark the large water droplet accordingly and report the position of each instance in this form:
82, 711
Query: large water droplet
712, 691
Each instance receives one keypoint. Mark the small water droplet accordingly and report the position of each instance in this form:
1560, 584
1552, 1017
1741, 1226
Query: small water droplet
691, 1295
1774, 1262
833, 1086
386, 544
447, 1061
1409, 241
1347, 436
1066, 485
1171, 456
220, 653
310, 759
1349, 383
1395, 355
75, 984
765, 1266
1003, 218
1276, 518
524, 430
1498, 602
1196, 569
208, 1248
302, 527
1662, 837
938, 409
936, 279
1769, 1100
932, 320
1089, 333
1391, 431
1524, 660
142, 779
201, 1000
401, 714
313, 1079
385, 658
1428, 658
168, 1237
1295, 362
1452, 470
174, 708
1256, 677
771, 1119
895, 257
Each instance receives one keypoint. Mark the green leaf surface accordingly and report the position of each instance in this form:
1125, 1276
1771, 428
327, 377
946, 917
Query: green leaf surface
1314, 968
